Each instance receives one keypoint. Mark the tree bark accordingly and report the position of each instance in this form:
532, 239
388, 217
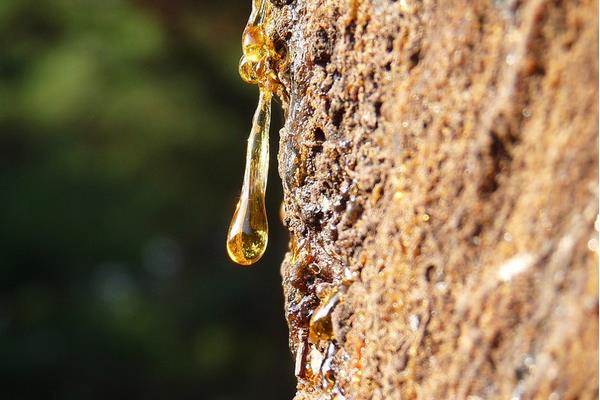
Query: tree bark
440, 170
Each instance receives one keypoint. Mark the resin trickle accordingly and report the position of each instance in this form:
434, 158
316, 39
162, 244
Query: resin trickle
248, 232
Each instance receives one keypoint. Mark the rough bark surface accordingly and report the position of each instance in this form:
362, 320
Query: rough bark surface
440, 169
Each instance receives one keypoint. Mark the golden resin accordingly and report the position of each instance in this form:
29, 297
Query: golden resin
248, 232
320, 326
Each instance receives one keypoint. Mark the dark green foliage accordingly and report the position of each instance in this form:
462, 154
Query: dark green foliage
122, 134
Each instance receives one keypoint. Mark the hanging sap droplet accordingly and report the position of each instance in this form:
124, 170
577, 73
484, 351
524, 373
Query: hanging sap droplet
248, 232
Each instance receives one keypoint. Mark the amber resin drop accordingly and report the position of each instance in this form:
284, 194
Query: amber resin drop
248, 232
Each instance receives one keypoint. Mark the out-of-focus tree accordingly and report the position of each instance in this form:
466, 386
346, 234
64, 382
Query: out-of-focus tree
121, 148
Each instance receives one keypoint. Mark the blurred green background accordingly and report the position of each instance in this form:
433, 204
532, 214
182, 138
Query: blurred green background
122, 137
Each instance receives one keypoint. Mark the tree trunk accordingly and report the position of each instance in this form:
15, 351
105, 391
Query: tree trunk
440, 169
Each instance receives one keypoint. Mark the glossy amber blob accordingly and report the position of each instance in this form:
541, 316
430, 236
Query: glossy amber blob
254, 43
248, 232
252, 72
320, 326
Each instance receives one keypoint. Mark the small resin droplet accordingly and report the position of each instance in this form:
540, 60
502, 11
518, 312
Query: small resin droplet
254, 43
282, 213
248, 232
253, 72
320, 326
247, 71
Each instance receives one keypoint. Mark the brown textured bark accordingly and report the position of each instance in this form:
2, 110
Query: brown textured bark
440, 169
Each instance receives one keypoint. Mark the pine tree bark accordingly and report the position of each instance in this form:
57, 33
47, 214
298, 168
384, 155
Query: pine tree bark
440, 170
